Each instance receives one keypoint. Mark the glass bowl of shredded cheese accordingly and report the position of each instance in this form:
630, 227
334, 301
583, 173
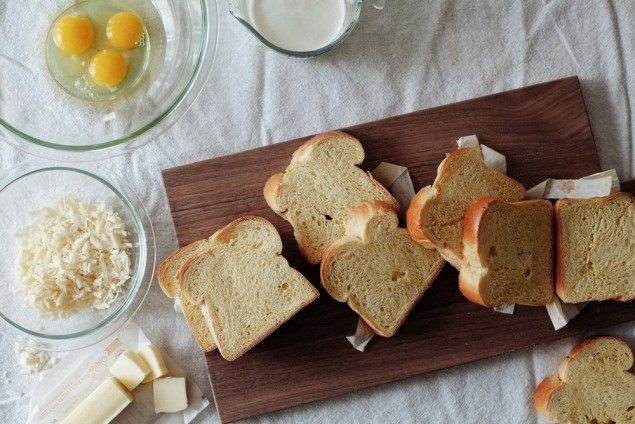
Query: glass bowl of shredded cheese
78, 255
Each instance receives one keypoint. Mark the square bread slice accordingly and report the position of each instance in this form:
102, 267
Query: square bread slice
435, 215
592, 385
595, 246
168, 275
320, 187
244, 285
377, 268
508, 253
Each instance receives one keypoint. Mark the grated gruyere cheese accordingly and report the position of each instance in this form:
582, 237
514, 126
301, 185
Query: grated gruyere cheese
73, 257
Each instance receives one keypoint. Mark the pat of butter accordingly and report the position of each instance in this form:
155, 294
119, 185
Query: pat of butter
170, 394
102, 405
152, 356
130, 369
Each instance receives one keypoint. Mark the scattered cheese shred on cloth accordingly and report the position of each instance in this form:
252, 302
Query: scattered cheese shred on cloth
73, 256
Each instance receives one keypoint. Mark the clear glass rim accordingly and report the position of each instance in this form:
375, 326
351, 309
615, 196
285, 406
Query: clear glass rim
203, 51
137, 280
310, 53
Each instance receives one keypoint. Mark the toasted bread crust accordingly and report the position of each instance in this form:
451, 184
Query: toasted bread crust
470, 287
543, 393
561, 251
546, 389
356, 230
413, 216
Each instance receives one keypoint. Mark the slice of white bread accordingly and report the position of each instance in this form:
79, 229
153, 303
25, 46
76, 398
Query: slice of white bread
377, 268
168, 275
245, 285
595, 246
320, 187
508, 253
435, 215
592, 385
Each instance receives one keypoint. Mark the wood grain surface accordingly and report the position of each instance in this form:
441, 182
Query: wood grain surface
544, 132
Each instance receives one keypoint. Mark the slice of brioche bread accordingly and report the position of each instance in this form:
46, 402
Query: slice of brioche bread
435, 215
595, 245
508, 253
592, 385
168, 275
377, 268
245, 285
320, 187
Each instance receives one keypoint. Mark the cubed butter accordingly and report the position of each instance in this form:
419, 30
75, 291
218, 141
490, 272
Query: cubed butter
102, 405
152, 355
130, 369
170, 394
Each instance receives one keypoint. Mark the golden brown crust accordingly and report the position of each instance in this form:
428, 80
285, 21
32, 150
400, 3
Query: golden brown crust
471, 224
561, 251
543, 393
548, 387
413, 217
272, 187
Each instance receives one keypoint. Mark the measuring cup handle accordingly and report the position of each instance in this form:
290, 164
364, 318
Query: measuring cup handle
379, 4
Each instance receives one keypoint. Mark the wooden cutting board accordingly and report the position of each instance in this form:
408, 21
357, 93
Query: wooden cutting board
544, 132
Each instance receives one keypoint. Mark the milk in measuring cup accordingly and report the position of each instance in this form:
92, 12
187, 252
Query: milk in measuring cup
298, 25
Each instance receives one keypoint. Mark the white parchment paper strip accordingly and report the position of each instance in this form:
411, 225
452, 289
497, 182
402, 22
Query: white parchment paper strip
397, 180
491, 157
63, 387
362, 336
506, 309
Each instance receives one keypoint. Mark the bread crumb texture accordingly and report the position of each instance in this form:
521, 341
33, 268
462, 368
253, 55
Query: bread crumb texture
592, 386
245, 286
596, 248
378, 269
320, 187
508, 254
462, 178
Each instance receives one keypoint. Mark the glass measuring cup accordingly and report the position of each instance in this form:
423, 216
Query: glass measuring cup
243, 11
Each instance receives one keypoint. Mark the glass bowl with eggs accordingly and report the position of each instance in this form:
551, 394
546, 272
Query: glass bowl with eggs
78, 255
84, 80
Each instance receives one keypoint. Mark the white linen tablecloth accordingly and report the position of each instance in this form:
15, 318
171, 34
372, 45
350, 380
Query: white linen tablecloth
413, 55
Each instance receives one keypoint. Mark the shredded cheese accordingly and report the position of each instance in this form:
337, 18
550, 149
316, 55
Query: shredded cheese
32, 360
73, 257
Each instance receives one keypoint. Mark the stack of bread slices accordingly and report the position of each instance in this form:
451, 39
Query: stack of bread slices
235, 288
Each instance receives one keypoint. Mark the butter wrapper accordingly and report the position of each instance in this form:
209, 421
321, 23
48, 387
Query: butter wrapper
67, 384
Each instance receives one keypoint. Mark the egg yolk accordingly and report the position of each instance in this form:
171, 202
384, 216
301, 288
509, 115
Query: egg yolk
108, 68
73, 34
124, 30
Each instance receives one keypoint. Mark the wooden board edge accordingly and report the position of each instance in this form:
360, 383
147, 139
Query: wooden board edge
574, 78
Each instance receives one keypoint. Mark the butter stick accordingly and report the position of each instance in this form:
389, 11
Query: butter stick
152, 356
102, 405
170, 394
130, 369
